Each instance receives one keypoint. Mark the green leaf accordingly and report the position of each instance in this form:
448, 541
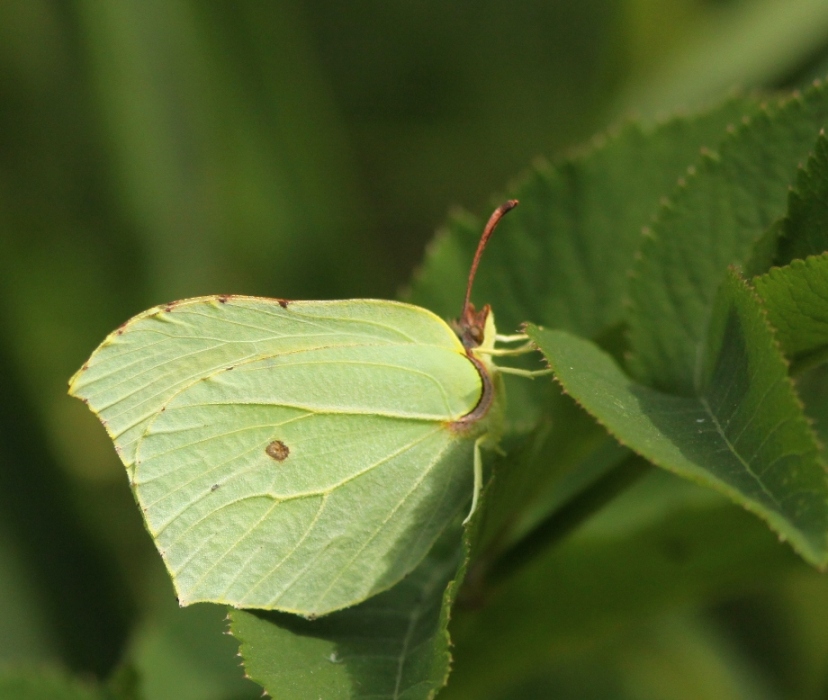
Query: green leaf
796, 298
743, 434
812, 388
805, 228
395, 645
298, 456
711, 221
561, 258
763, 252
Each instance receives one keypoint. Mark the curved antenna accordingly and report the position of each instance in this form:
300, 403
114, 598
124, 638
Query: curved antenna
494, 220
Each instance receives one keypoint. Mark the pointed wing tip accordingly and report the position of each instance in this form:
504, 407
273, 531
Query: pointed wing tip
74, 380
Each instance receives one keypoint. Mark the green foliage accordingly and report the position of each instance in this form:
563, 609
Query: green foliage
805, 226
183, 385
152, 151
395, 645
744, 433
561, 259
796, 297
726, 416
723, 205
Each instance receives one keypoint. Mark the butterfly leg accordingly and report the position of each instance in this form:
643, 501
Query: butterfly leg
528, 373
519, 350
478, 477
515, 338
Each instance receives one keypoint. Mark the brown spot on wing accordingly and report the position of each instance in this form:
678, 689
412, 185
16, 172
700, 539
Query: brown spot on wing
283, 302
277, 450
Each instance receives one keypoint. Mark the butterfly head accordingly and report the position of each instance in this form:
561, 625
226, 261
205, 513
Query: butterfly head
476, 329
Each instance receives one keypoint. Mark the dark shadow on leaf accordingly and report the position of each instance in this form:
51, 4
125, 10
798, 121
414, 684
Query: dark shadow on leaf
391, 643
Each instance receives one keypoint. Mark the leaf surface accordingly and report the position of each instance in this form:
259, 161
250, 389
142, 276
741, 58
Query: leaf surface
812, 388
744, 434
561, 258
796, 297
394, 646
713, 220
805, 227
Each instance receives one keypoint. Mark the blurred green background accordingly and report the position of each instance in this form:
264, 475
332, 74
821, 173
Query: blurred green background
156, 150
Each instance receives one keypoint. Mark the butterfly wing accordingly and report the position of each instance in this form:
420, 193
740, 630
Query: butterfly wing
295, 457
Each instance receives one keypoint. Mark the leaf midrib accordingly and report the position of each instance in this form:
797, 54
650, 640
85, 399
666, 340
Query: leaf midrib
736, 453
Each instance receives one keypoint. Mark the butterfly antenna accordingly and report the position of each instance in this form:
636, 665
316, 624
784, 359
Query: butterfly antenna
494, 220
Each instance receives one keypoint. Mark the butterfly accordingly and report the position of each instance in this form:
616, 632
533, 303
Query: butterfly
299, 455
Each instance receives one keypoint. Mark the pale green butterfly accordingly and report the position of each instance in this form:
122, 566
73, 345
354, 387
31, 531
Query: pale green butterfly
304, 455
